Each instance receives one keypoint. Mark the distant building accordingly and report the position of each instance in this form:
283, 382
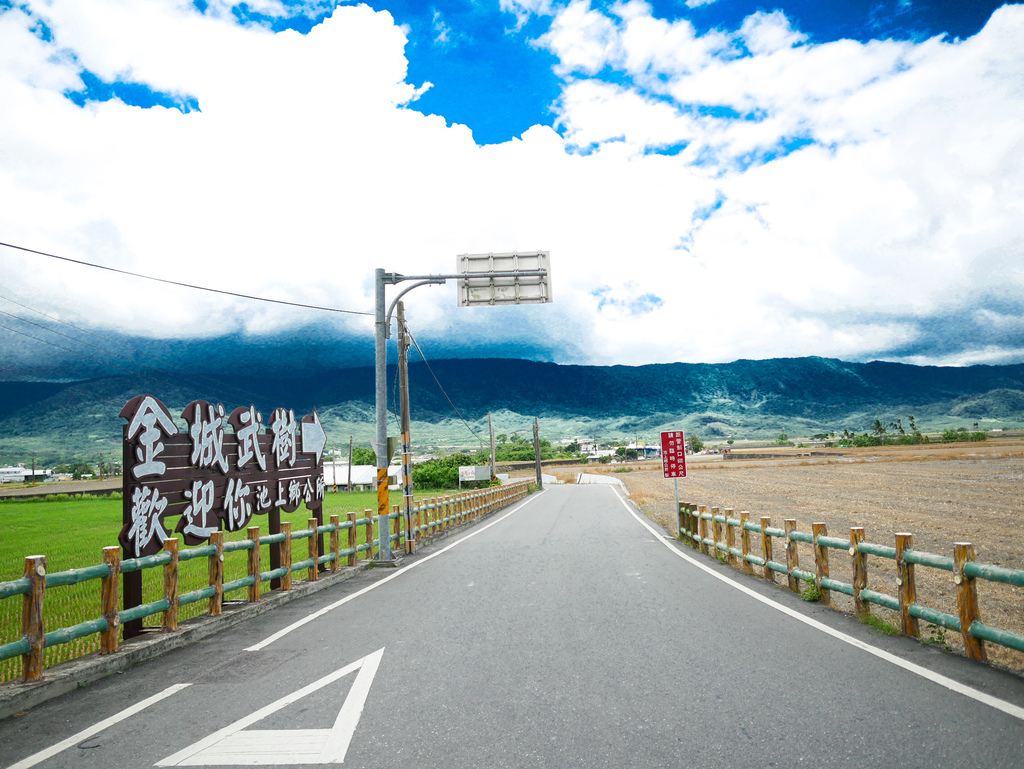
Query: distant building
364, 477
22, 474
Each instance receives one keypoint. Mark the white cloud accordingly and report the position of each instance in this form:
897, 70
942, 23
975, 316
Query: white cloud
824, 199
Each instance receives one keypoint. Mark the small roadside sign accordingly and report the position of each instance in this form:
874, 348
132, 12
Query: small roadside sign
673, 454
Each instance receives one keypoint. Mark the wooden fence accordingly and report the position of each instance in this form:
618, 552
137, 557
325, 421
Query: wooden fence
713, 532
429, 518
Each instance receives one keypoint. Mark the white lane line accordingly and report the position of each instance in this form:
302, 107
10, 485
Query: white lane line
85, 734
955, 686
310, 617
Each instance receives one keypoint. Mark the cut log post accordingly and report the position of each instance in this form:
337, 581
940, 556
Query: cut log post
285, 549
792, 556
701, 513
253, 532
171, 585
859, 563
906, 583
766, 547
32, 627
967, 600
821, 561
745, 541
353, 539
216, 574
368, 532
716, 530
336, 542
313, 553
730, 538
110, 599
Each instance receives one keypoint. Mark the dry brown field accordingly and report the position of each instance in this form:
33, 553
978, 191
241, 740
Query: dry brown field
941, 493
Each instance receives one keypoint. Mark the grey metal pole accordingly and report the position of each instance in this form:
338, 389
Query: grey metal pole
381, 393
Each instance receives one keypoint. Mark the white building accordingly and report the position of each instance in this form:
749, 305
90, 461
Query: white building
22, 474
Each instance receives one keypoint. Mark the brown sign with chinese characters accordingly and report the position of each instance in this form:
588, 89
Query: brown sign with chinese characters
214, 478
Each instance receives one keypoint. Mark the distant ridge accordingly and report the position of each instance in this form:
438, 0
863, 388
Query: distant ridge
745, 398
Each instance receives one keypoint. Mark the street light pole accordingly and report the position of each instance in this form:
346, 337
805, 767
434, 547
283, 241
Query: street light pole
380, 334
539, 292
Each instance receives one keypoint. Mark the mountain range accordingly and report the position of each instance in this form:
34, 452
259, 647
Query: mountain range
450, 401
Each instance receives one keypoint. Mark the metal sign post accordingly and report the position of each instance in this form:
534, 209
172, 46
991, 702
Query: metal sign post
484, 279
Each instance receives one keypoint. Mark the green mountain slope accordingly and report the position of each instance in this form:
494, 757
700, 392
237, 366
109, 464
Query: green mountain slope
744, 399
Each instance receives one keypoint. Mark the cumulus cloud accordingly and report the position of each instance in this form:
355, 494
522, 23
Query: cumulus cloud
705, 197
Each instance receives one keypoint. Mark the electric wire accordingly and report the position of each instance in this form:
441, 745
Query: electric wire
445, 394
183, 285
26, 376
68, 349
218, 385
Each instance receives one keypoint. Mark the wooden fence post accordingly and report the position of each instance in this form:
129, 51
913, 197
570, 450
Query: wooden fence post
285, 550
216, 572
171, 585
110, 599
701, 512
679, 521
745, 541
253, 532
353, 536
336, 542
967, 600
730, 539
716, 531
695, 526
792, 555
368, 530
313, 573
906, 583
32, 627
766, 547
821, 561
859, 562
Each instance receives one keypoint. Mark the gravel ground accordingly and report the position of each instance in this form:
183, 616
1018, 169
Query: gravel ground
941, 494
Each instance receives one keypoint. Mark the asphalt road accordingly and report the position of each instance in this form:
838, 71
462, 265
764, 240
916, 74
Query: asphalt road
564, 631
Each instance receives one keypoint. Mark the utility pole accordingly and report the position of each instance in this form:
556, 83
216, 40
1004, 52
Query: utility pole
490, 427
403, 388
350, 447
536, 452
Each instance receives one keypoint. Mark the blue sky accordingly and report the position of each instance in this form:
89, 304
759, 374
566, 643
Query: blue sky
714, 180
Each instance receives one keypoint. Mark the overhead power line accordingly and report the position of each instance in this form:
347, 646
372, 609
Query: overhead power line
183, 285
182, 375
424, 357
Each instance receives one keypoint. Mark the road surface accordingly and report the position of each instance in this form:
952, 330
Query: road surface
564, 631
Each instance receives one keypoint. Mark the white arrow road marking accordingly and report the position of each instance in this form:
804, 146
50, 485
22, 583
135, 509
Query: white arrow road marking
231, 746
85, 734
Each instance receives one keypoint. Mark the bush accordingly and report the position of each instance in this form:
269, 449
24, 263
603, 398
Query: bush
443, 472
